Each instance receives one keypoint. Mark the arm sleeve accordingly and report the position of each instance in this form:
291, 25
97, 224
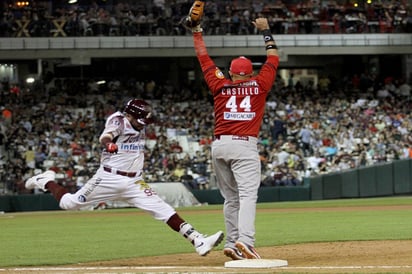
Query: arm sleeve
113, 128
212, 74
268, 72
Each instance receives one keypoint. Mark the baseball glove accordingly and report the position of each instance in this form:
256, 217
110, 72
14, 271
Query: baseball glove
192, 21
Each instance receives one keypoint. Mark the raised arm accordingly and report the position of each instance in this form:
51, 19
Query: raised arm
262, 25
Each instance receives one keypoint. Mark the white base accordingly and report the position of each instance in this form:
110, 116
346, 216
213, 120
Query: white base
256, 263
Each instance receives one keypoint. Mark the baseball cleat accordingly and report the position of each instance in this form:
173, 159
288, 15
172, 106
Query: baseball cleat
204, 244
233, 253
41, 180
248, 251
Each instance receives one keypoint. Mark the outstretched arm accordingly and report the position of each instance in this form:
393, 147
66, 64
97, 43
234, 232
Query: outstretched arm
192, 22
199, 43
206, 63
263, 26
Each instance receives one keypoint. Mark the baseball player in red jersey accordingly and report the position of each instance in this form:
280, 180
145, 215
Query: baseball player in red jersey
239, 105
119, 176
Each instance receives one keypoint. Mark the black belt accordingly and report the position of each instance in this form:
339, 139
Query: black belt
234, 137
119, 172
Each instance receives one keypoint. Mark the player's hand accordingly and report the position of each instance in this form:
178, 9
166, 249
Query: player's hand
261, 23
111, 148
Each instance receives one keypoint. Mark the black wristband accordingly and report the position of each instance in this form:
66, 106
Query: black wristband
267, 35
271, 47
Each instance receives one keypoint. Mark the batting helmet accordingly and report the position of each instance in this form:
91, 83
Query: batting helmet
140, 110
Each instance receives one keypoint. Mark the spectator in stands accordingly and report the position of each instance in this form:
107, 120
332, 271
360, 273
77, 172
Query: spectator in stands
178, 172
404, 89
188, 180
313, 161
279, 127
283, 154
163, 17
201, 181
200, 161
63, 152
274, 177
285, 176
305, 135
30, 157
324, 83
39, 157
55, 142
383, 92
175, 147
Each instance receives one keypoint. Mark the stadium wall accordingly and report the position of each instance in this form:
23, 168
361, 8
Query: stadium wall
388, 179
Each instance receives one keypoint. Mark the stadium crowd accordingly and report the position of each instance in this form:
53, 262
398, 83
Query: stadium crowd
307, 129
160, 17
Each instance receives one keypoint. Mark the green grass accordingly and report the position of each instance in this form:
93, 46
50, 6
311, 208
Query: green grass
61, 237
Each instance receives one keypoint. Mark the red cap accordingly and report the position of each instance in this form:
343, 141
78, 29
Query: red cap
241, 66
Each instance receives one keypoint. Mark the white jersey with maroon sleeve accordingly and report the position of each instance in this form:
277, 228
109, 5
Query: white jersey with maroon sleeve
131, 144
119, 177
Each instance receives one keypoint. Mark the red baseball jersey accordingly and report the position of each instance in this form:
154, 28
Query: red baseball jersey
239, 106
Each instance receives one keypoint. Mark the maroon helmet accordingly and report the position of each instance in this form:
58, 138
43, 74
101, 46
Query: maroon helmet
140, 110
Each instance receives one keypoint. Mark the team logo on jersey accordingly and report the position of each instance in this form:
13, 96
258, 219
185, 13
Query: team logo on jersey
219, 74
115, 121
81, 198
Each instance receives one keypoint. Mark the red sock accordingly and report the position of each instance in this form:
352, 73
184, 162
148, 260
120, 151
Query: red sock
175, 221
56, 190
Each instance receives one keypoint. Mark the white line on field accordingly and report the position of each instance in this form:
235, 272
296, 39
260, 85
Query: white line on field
350, 267
137, 268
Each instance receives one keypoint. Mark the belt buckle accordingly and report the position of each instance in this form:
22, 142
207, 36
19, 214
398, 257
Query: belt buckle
241, 138
114, 170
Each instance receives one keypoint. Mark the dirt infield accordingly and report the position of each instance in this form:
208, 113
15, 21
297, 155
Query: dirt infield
336, 257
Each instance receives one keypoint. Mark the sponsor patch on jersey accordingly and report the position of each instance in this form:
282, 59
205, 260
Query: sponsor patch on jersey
219, 74
82, 198
239, 116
